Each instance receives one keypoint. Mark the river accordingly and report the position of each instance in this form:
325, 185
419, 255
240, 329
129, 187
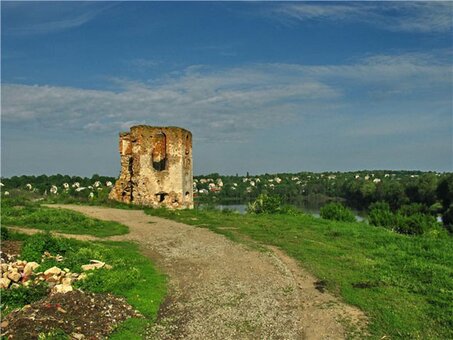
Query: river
242, 209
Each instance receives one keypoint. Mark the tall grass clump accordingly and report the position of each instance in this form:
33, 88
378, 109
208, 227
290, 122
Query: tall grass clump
265, 204
337, 212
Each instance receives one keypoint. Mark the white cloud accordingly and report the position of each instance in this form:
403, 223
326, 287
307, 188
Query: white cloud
229, 103
29, 18
394, 16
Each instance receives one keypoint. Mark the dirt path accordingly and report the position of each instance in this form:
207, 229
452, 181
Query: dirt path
219, 289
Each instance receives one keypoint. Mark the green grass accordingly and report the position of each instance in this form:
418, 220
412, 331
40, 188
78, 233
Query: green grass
133, 276
27, 214
403, 283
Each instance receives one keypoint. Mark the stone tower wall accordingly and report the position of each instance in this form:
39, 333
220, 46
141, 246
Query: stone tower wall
156, 167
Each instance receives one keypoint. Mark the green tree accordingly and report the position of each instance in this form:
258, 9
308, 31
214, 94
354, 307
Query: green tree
445, 194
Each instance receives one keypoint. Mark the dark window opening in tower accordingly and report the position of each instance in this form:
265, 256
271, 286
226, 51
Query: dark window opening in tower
161, 196
187, 145
159, 153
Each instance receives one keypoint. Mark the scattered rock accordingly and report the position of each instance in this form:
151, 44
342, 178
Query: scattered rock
61, 310
66, 281
30, 268
14, 275
82, 276
4, 282
97, 261
52, 278
92, 266
52, 271
62, 288
48, 255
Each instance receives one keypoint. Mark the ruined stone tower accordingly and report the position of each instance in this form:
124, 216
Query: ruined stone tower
156, 167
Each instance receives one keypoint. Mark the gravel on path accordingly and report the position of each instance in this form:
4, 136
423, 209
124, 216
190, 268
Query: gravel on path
219, 289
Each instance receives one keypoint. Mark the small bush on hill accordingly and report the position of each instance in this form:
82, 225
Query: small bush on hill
381, 215
410, 219
265, 204
337, 212
415, 224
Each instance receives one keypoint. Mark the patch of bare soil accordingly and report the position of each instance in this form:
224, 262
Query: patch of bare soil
10, 248
219, 289
82, 315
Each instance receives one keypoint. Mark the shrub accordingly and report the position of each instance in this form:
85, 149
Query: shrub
337, 212
381, 215
265, 204
415, 224
412, 209
410, 219
36, 245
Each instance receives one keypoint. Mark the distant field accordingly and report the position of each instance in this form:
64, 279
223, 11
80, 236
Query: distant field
404, 283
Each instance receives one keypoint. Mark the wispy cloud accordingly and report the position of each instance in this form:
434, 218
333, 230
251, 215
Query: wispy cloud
40, 17
211, 103
230, 103
142, 63
394, 16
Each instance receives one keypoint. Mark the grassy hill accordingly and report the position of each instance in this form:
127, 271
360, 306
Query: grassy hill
404, 283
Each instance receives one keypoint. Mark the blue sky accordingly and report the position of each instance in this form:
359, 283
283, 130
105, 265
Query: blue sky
263, 86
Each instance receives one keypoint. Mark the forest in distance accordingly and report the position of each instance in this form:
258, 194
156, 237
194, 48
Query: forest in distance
401, 193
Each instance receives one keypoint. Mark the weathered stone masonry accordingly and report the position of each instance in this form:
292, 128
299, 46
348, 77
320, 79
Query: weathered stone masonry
156, 167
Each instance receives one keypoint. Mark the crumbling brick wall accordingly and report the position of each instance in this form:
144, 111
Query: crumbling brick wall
156, 167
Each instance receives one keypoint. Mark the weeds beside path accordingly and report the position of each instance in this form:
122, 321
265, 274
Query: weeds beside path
219, 289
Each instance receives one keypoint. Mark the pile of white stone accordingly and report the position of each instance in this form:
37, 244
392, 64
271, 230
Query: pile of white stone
17, 273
